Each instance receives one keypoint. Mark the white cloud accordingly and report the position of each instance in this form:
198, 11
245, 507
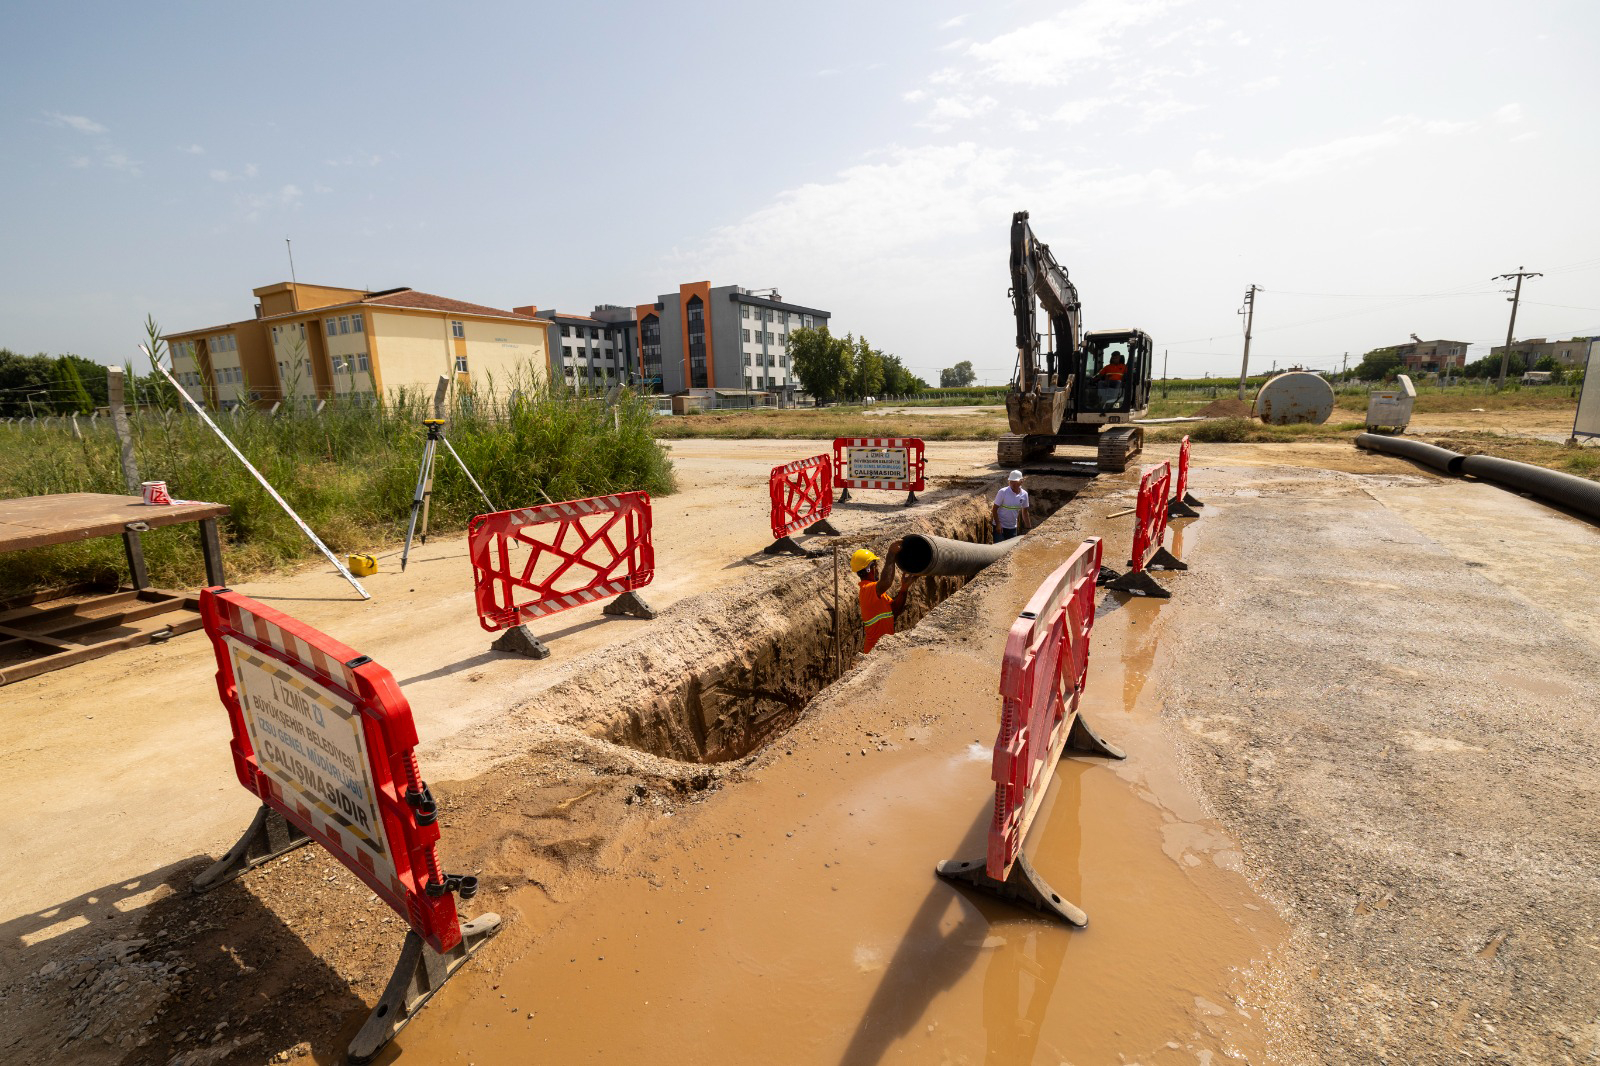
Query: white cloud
357, 159
1047, 53
285, 198
1509, 113
1260, 84
75, 122
914, 96
1075, 111
953, 23
193, 149
249, 171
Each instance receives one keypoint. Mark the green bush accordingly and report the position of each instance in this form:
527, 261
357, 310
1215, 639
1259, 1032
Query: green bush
349, 471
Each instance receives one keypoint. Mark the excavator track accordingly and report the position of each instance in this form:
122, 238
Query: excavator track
1119, 446
1018, 448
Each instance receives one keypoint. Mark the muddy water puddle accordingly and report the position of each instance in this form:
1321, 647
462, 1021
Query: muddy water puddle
797, 918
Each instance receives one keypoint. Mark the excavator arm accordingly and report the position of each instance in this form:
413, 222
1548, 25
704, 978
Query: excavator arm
1037, 399
1036, 276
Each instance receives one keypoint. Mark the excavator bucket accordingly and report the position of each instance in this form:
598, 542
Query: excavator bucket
1036, 413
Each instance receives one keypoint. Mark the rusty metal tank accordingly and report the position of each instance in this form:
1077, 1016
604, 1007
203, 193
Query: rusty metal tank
1293, 397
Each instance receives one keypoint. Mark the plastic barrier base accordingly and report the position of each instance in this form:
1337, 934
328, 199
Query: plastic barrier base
789, 546
1137, 583
519, 640
1181, 508
1024, 886
420, 973
270, 835
1188, 498
631, 605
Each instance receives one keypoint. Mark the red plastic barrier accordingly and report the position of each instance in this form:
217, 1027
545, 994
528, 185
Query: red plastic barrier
1150, 521
580, 551
323, 735
802, 493
879, 463
1181, 488
1041, 677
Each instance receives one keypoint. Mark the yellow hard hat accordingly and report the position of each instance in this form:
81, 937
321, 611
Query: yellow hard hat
860, 559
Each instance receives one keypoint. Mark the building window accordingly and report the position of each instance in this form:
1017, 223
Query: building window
344, 323
458, 331
461, 364
807, 320
362, 362
744, 310
747, 336
695, 314
357, 324
566, 351
333, 327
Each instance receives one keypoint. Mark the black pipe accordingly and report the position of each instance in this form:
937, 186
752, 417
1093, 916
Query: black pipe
922, 554
1440, 459
1574, 493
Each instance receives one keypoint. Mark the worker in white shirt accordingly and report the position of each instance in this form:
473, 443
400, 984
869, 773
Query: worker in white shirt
1010, 509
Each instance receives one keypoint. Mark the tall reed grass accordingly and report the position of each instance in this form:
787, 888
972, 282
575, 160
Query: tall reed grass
350, 471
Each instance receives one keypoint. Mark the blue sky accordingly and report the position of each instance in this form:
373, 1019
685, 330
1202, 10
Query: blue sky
1370, 165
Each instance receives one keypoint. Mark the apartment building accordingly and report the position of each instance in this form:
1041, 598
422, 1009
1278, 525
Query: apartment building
1567, 353
593, 351
1432, 356
318, 342
722, 338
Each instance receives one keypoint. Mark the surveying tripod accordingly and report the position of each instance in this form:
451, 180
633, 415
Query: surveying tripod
424, 493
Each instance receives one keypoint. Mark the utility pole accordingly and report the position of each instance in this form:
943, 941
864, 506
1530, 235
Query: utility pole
1505, 356
1346, 369
1249, 313
1163, 373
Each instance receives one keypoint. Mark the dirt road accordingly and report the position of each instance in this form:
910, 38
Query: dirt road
1354, 824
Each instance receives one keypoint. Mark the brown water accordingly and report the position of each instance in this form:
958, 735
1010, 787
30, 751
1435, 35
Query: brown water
796, 918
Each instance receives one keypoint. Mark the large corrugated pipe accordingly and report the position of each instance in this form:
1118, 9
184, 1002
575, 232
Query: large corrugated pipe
1574, 493
923, 554
1440, 459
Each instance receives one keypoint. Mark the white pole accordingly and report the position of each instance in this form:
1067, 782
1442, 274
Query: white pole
334, 559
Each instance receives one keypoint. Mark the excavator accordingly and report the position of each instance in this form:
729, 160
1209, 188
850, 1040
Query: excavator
1074, 393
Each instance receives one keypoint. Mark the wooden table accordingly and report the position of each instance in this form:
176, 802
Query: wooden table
36, 637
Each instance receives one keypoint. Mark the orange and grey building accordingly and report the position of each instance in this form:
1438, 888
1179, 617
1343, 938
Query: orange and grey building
319, 342
725, 338
595, 350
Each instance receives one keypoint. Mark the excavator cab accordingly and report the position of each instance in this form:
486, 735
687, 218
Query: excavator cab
1115, 379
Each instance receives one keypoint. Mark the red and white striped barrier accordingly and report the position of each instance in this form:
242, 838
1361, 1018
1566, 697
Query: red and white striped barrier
1042, 676
1149, 534
802, 500
1182, 505
897, 463
324, 737
578, 551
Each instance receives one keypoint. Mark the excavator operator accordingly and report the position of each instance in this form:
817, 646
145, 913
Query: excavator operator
1109, 380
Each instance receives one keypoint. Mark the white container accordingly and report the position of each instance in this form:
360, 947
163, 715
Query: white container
1295, 396
155, 492
1390, 409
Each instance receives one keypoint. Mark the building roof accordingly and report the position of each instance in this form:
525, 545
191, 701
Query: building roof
425, 301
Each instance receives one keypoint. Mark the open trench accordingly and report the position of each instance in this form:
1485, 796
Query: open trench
723, 682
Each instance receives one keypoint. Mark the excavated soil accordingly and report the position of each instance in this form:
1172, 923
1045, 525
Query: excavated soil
1225, 407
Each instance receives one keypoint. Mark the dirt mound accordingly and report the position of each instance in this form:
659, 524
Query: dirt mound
1227, 407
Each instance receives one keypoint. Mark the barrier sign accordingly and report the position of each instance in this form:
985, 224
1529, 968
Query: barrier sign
1149, 534
577, 552
1182, 505
323, 735
1042, 676
879, 463
802, 500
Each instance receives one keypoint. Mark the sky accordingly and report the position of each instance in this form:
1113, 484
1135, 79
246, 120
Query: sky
1370, 166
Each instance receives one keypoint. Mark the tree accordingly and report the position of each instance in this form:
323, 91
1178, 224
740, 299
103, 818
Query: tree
25, 378
868, 370
70, 394
1378, 364
1489, 367
897, 380
822, 362
1548, 362
957, 377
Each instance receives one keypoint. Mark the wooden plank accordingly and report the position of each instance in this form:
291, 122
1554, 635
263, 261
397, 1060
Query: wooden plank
71, 657
39, 521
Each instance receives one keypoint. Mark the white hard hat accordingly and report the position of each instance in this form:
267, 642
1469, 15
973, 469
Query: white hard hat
1016, 475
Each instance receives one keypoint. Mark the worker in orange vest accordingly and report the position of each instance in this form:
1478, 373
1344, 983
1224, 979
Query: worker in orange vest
878, 612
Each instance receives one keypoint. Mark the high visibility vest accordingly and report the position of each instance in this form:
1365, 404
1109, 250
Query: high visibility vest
1114, 371
877, 614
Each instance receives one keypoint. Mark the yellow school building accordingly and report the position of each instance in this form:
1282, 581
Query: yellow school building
317, 342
